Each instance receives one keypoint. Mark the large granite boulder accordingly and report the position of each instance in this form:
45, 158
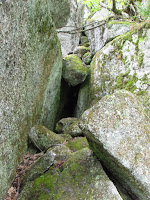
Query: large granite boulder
74, 72
30, 76
80, 177
119, 133
124, 63
100, 29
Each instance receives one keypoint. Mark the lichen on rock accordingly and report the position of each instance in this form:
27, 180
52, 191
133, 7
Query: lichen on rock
118, 131
123, 64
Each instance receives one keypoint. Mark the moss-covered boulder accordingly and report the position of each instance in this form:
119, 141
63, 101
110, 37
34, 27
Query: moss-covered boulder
119, 133
80, 51
85, 41
69, 126
124, 63
43, 138
30, 77
74, 72
77, 144
58, 153
80, 177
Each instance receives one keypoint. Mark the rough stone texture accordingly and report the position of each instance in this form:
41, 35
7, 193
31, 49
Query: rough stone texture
60, 11
42, 138
80, 177
70, 41
80, 51
98, 34
119, 133
123, 63
74, 72
30, 75
69, 126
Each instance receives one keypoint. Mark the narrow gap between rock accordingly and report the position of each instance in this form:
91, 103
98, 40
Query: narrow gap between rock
69, 98
126, 195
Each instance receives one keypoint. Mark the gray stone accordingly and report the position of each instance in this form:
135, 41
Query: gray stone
60, 11
100, 32
30, 76
58, 153
68, 35
83, 97
123, 63
80, 51
87, 58
74, 72
84, 40
118, 132
42, 138
82, 177
69, 126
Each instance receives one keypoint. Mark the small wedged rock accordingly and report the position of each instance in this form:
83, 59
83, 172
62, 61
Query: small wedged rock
81, 177
80, 51
87, 58
74, 72
43, 138
69, 126
118, 131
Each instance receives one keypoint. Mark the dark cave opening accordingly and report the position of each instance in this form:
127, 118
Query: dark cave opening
69, 98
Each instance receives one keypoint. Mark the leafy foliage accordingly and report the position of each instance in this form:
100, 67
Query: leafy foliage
144, 9
95, 5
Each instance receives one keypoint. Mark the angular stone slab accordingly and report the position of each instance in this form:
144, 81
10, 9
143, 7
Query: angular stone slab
119, 133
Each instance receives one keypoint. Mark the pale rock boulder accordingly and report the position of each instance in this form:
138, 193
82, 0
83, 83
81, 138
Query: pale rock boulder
101, 29
124, 63
30, 76
80, 177
119, 133
69, 34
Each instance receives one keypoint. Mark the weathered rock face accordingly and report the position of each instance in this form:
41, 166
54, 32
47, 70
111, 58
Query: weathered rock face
123, 64
60, 11
80, 177
83, 97
119, 133
68, 37
30, 77
100, 31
